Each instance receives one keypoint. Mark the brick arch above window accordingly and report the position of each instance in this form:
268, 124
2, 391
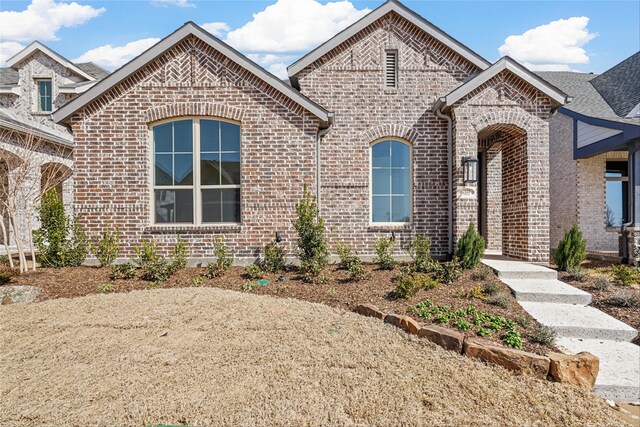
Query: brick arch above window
184, 109
392, 131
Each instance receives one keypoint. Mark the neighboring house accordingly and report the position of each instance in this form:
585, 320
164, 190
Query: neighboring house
34, 151
398, 128
594, 154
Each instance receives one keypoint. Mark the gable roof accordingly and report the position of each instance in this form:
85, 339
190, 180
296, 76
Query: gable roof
162, 46
505, 63
373, 16
620, 85
37, 46
93, 70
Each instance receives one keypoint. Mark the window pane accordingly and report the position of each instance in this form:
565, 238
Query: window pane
230, 137
221, 205
44, 95
182, 169
381, 209
615, 208
174, 206
400, 181
381, 154
163, 166
231, 205
399, 154
400, 209
162, 138
209, 135
183, 136
381, 181
230, 168
210, 169
211, 206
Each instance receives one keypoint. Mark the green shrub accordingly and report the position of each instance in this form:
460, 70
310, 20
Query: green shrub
523, 321
601, 284
7, 273
475, 292
492, 288
446, 272
179, 255
572, 249
253, 272
578, 274
312, 245
482, 273
408, 284
347, 256
624, 275
512, 338
154, 266
282, 289
123, 271
249, 286
500, 300
224, 258
543, 335
273, 258
625, 299
4, 260
108, 247
470, 248
106, 288
357, 271
196, 282
420, 252
462, 325
384, 253
60, 240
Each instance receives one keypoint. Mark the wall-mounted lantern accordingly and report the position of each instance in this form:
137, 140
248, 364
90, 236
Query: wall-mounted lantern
470, 170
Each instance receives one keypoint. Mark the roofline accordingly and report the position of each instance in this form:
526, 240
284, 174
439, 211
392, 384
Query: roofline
40, 133
504, 63
36, 45
166, 43
374, 15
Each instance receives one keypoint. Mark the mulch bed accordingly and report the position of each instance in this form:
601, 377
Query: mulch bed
339, 293
602, 269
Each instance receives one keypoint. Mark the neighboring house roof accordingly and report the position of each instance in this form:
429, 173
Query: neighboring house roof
506, 63
93, 70
400, 9
8, 77
11, 120
620, 85
162, 46
37, 46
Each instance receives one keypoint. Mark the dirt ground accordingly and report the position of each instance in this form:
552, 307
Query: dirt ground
214, 357
340, 293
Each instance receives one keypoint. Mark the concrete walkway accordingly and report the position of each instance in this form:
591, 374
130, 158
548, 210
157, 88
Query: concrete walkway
578, 326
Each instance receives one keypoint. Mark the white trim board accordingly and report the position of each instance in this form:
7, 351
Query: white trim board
37, 46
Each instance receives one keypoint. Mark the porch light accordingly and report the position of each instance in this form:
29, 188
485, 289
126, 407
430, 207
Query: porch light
470, 170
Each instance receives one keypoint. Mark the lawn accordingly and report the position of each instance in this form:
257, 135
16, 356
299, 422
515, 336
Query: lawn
207, 356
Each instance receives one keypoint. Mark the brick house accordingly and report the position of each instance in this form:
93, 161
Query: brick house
36, 82
594, 148
398, 129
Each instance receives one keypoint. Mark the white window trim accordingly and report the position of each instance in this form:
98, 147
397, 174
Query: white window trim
197, 187
390, 224
37, 80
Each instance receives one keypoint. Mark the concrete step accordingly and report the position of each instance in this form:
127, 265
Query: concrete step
508, 268
550, 290
619, 377
579, 321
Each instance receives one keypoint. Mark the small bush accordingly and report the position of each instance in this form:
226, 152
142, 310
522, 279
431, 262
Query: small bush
482, 273
512, 338
7, 273
601, 284
523, 321
196, 282
470, 248
347, 256
106, 288
249, 286
492, 288
357, 271
312, 245
153, 265
420, 252
224, 258
123, 271
476, 292
108, 247
543, 335
253, 272
446, 272
500, 300
578, 274
154, 285
4, 260
273, 258
572, 249
282, 289
624, 275
179, 255
626, 299
408, 284
462, 325
384, 253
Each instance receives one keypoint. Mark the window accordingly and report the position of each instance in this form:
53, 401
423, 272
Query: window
617, 197
390, 182
44, 95
206, 193
391, 69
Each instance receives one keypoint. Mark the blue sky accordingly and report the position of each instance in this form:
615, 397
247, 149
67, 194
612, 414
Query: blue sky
564, 35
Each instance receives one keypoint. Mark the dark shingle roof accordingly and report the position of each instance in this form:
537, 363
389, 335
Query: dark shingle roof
620, 85
8, 77
93, 70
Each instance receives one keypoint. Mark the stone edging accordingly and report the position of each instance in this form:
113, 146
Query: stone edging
581, 369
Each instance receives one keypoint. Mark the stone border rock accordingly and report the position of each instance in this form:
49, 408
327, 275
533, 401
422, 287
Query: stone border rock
580, 370
12, 294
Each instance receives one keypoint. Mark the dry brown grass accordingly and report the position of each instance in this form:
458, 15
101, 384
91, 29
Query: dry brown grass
214, 357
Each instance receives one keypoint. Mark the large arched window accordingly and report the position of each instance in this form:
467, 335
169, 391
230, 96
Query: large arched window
390, 182
196, 174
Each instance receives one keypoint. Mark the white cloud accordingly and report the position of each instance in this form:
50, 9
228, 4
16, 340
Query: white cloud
293, 26
112, 57
42, 19
179, 3
218, 29
274, 63
552, 46
7, 50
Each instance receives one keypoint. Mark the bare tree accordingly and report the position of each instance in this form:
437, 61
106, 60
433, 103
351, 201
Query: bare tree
33, 166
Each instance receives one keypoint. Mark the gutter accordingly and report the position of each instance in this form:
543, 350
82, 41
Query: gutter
438, 112
321, 133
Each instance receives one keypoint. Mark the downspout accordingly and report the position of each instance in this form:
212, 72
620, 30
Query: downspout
631, 168
321, 133
439, 113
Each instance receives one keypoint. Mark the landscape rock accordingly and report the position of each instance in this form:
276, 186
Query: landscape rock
446, 338
18, 294
580, 369
369, 310
517, 361
403, 322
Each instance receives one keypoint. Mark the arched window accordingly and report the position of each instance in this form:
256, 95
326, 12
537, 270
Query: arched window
390, 182
196, 176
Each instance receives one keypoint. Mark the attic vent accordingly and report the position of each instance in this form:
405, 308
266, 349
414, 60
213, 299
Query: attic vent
391, 69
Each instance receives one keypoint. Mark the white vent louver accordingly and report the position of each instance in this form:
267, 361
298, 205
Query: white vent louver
391, 69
